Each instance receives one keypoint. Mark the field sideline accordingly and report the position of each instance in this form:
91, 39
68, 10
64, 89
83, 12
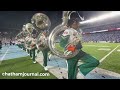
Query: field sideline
15, 60
107, 53
20, 65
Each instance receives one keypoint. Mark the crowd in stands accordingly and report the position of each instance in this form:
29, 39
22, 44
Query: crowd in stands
112, 35
101, 27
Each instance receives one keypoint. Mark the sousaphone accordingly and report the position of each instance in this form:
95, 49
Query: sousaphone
29, 41
55, 39
42, 24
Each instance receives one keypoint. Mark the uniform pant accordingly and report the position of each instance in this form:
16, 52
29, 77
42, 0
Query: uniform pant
28, 51
89, 63
23, 47
32, 53
45, 56
0, 46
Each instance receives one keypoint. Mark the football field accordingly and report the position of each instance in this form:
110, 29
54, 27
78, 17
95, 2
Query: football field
107, 53
16, 64
13, 59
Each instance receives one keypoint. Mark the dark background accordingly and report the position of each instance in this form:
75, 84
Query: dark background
11, 22
15, 19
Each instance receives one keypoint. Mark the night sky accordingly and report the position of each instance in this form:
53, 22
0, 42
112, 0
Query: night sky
14, 20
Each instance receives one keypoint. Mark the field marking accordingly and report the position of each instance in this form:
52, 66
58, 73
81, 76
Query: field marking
118, 50
4, 55
109, 54
105, 49
96, 46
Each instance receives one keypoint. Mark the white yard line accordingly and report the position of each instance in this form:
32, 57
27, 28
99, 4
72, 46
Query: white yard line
95, 46
4, 55
109, 53
105, 49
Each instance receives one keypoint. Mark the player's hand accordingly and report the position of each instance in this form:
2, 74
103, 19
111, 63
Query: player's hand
71, 48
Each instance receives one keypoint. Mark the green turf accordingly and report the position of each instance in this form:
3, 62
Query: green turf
59, 48
99, 54
112, 62
20, 65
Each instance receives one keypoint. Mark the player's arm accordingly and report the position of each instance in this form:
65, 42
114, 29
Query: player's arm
79, 39
64, 38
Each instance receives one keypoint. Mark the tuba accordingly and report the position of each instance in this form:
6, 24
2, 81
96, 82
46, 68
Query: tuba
29, 41
28, 27
41, 21
42, 24
20, 38
55, 37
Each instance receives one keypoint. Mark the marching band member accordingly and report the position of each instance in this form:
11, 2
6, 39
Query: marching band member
45, 51
90, 63
33, 46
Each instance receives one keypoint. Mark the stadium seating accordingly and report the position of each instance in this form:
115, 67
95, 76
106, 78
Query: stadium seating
108, 36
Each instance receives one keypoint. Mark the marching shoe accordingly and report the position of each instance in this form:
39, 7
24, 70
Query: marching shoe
34, 62
45, 68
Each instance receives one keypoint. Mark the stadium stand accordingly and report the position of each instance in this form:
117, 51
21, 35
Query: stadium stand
107, 33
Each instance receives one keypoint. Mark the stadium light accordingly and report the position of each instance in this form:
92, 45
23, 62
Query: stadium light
102, 17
